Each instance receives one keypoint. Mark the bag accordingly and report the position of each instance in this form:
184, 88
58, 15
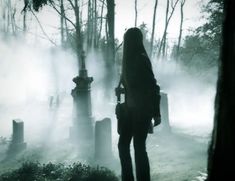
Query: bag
121, 114
156, 105
121, 109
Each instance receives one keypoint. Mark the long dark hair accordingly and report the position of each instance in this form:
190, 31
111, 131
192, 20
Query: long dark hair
133, 47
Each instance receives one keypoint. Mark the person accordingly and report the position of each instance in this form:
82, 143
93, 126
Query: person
140, 87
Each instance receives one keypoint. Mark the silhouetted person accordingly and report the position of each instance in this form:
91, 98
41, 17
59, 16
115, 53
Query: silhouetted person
140, 93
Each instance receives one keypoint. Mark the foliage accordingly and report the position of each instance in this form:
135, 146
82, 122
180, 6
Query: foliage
201, 49
77, 172
37, 4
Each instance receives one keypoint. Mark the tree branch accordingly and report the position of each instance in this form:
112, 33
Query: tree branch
172, 11
42, 27
71, 3
63, 15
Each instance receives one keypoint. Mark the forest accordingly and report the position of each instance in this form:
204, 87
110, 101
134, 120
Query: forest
60, 61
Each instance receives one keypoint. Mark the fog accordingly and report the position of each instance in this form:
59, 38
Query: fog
29, 75
191, 97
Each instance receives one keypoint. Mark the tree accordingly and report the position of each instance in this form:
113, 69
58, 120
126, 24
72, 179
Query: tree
200, 50
62, 22
92, 26
110, 47
162, 46
24, 11
8, 23
101, 20
136, 13
181, 26
153, 27
110, 27
74, 5
222, 148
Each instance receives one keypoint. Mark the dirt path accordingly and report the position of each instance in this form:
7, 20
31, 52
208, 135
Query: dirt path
176, 157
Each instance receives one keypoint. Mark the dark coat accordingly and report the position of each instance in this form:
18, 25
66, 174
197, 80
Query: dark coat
141, 88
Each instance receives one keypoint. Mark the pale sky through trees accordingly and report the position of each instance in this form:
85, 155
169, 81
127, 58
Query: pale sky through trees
125, 16
124, 19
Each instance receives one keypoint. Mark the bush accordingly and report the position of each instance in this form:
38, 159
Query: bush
31, 171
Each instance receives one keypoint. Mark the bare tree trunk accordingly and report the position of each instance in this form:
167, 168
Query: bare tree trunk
88, 22
13, 23
92, 24
89, 14
101, 22
153, 27
95, 24
24, 11
222, 148
165, 30
110, 59
24, 21
136, 13
110, 22
79, 42
181, 25
62, 22
162, 46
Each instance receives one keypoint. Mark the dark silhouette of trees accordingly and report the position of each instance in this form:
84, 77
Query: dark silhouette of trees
222, 148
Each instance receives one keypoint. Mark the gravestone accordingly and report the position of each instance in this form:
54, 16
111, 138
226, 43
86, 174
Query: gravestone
164, 109
103, 139
17, 144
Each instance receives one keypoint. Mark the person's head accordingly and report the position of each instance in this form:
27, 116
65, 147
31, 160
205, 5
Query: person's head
132, 46
133, 41
133, 38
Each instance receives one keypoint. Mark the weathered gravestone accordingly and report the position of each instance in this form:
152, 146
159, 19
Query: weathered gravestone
164, 109
17, 144
103, 139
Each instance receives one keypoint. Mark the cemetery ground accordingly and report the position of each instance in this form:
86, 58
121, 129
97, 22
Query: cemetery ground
176, 156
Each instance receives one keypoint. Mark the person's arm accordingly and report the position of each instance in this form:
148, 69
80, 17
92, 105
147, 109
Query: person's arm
119, 90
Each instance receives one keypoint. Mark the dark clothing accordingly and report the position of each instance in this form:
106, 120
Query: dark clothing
140, 91
140, 85
137, 128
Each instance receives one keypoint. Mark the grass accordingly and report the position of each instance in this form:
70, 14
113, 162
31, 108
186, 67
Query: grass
34, 171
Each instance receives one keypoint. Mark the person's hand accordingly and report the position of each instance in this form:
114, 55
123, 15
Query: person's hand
157, 120
119, 91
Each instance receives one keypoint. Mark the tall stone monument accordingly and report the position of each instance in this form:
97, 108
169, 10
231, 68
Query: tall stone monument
81, 133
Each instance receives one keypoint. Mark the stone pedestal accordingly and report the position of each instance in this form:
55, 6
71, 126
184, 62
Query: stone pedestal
164, 107
17, 143
103, 139
81, 132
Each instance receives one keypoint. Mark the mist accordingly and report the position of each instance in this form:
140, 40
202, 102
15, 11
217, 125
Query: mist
191, 97
36, 81
30, 75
